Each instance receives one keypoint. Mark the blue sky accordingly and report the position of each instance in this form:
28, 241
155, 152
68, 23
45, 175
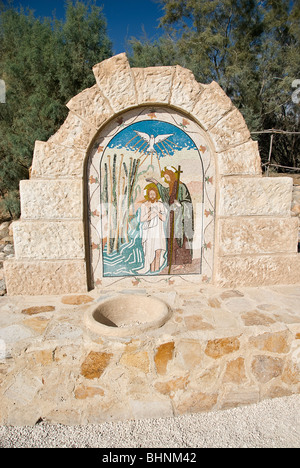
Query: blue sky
125, 18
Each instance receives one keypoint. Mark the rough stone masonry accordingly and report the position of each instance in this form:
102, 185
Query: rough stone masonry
254, 241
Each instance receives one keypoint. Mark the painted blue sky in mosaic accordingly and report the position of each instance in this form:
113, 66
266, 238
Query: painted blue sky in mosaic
129, 139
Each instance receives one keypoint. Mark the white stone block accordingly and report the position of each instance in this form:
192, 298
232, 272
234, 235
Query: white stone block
114, 78
51, 199
49, 240
153, 84
255, 196
52, 161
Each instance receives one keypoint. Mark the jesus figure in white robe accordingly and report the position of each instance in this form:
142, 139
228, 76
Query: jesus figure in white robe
153, 217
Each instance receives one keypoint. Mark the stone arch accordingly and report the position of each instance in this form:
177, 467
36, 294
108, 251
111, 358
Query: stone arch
50, 239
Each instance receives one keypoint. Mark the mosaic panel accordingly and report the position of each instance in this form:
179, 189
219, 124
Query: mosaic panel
151, 198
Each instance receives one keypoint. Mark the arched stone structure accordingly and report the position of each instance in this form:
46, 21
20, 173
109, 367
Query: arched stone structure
254, 240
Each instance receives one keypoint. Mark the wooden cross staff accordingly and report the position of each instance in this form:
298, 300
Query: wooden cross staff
179, 171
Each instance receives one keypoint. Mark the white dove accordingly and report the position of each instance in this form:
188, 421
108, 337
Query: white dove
152, 140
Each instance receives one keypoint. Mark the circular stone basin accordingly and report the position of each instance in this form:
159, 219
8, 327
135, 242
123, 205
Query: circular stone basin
127, 315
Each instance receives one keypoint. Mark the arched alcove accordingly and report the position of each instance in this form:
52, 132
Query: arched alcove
247, 234
131, 156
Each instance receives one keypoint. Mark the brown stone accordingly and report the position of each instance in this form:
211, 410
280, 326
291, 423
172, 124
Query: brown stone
172, 385
267, 307
220, 347
196, 402
44, 357
256, 318
231, 293
208, 377
235, 371
195, 322
240, 396
38, 310
273, 342
215, 303
266, 368
95, 364
163, 355
83, 392
139, 360
291, 374
38, 324
7, 240
76, 300
278, 392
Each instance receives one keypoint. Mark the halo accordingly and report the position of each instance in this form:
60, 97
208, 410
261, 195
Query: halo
149, 187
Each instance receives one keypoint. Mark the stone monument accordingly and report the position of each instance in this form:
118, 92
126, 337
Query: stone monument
153, 177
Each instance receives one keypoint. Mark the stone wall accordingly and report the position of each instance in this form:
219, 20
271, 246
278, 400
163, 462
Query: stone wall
220, 349
51, 244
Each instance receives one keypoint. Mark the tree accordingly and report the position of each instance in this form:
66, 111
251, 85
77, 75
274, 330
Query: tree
44, 63
250, 47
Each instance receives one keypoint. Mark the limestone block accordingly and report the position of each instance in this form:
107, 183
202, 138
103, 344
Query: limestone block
74, 132
185, 90
266, 368
153, 84
91, 106
230, 131
255, 196
278, 342
258, 270
211, 105
51, 199
242, 159
26, 278
51, 160
257, 235
114, 78
49, 240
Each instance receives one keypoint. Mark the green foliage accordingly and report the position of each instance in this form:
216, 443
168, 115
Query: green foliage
250, 47
163, 52
44, 63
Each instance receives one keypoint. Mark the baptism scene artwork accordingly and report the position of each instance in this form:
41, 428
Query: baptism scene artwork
147, 192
